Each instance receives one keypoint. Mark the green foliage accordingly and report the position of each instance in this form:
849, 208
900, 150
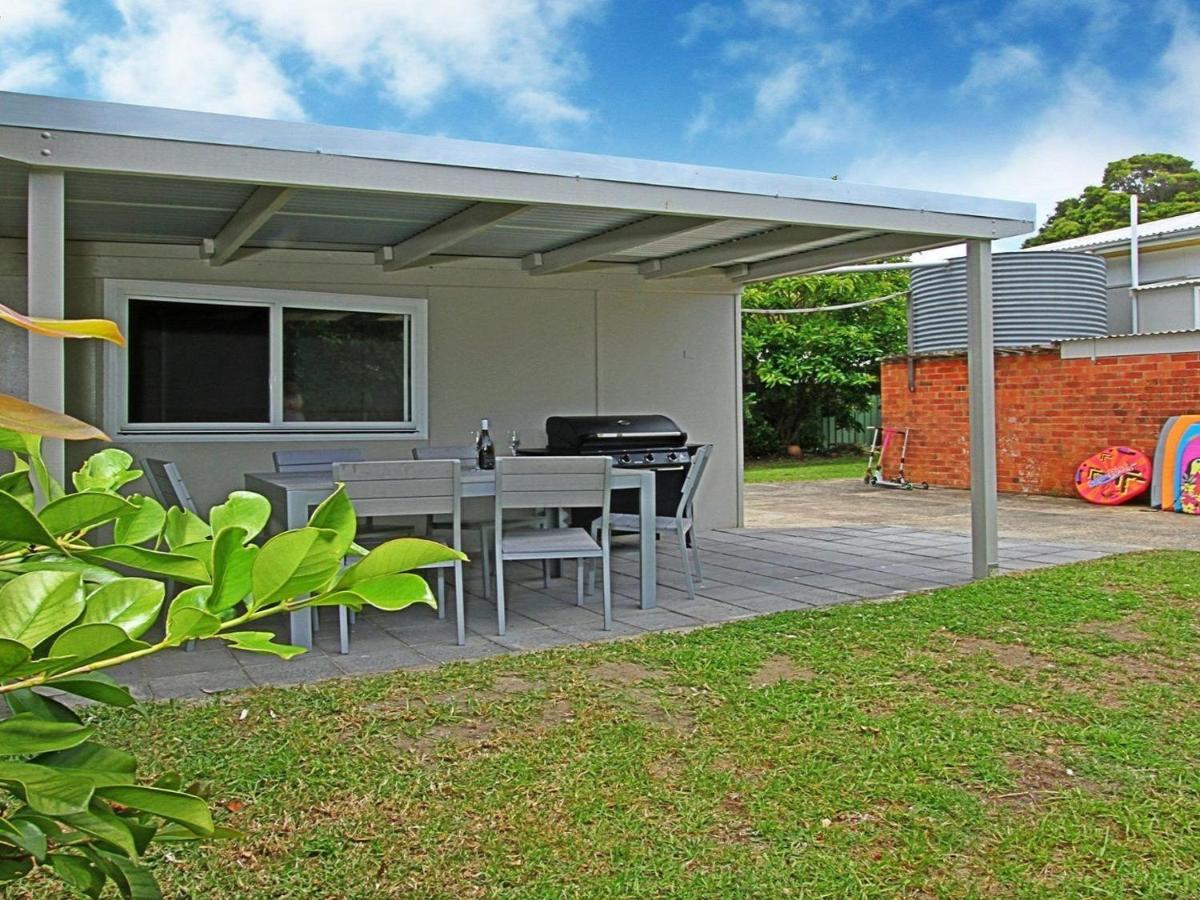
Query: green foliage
69, 805
800, 368
1166, 185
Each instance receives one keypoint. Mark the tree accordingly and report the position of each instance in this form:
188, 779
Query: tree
69, 609
800, 368
1166, 185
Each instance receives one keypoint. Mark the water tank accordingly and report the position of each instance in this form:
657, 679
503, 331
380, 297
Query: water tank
1037, 298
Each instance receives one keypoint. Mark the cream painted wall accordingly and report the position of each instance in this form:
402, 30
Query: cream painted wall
504, 344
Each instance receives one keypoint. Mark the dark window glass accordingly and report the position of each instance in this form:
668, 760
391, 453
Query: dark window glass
343, 366
198, 362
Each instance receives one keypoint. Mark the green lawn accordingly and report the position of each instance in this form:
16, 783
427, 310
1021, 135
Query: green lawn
816, 468
1031, 736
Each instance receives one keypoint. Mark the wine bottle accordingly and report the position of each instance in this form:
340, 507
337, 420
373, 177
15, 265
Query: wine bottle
485, 449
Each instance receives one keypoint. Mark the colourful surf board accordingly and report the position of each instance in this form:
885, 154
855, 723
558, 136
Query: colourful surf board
1114, 475
1166, 461
1187, 490
1156, 483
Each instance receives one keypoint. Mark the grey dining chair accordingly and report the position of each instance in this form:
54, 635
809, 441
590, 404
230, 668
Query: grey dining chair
682, 525
314, 460
169, 489
404, 488
553, 482
477, 520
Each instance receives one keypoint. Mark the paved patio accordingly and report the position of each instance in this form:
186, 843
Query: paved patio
747, 572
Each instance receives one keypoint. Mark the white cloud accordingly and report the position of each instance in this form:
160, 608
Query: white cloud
777, 90
790, 15
184, 56
38, 72
21, 18
1009, 66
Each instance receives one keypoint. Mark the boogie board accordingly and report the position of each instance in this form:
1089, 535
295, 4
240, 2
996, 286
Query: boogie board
1166, 463
1187, 481
1156, 484
1112, 476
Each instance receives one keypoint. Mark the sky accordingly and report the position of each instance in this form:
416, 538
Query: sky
1019, 99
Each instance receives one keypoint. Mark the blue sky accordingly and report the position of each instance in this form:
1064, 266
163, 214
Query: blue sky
1025, 99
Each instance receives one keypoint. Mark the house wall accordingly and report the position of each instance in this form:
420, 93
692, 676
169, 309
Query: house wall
502, 344
1051, 413
1159, 310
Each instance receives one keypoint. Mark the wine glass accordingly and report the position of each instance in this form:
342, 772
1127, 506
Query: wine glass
514, 441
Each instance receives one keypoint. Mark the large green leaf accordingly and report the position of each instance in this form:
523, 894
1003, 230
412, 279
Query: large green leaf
95, 686
101, 822
184, 527
174, 806
172, 565
17, 523
243, 509
25, 700
145, 524
36, 605
294, 563
260, 642
17, 484
84, 644
106, 471
134, 881
103, 766
26, 734
81, 874
19, 416
186, 620
336, 513
13, 655
232, 563
49, 791
388, 592
25, 836
399, 555
52, 561
76, 512
132, 604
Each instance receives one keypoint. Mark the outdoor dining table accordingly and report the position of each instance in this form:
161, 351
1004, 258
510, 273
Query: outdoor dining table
294, 494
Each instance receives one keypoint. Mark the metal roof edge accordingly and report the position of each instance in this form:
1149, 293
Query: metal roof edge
126, 120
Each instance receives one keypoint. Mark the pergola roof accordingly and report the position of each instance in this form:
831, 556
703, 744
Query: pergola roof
229, 184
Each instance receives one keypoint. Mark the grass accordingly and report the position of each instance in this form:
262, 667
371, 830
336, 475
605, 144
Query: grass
816, 468
1034, 735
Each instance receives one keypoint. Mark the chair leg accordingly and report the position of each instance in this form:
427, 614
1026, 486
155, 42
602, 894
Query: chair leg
343, 630
486, 552
546, 573
579, 582
687, 565
353, 617
499, 594
696, 555
316, 618
606, 562
459, 611
441, 593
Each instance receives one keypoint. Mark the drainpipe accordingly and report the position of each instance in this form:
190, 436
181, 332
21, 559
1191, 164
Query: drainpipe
1134, 283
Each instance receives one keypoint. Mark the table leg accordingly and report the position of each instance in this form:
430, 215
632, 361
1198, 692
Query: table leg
648, 551
301, 620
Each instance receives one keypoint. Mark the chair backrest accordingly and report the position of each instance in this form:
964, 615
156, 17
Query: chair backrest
167, 484
536, 482
404, 488
692, 481
314, 460
464, 453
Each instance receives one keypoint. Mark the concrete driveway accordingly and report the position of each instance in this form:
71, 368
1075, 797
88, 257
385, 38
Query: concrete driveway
1058, 519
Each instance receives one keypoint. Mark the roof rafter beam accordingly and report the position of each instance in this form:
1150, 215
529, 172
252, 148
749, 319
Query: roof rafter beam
780, 240
617, 240
262, 203
864, 250
476, 218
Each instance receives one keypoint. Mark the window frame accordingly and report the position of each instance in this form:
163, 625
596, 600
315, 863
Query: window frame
118, 293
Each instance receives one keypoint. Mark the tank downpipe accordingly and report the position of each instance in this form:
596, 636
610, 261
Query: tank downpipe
908, 324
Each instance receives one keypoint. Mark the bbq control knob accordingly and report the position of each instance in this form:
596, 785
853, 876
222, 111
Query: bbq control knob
649, 457
671, 457
625, 457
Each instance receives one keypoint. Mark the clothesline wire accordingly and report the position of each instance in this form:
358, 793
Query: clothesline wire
793, 311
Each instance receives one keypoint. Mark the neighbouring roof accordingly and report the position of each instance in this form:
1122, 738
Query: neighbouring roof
1158, 231
231, 184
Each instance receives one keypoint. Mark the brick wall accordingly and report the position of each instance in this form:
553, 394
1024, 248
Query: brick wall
1051, 413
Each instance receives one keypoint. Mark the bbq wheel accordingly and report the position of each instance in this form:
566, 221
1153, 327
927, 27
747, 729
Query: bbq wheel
924, 485
871, 479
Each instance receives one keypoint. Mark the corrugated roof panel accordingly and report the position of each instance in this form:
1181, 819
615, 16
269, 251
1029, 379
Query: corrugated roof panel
313, 229
582, 220
13, 222
103, 222
101, 187
1146, 231
693, 240
347, 204
512, 242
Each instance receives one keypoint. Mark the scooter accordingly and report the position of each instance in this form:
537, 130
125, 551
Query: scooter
881, 439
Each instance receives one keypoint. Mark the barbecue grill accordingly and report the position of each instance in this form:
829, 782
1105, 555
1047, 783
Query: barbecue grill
632, 442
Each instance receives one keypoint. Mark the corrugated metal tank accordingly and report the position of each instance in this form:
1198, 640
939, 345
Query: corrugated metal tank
1037, 298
